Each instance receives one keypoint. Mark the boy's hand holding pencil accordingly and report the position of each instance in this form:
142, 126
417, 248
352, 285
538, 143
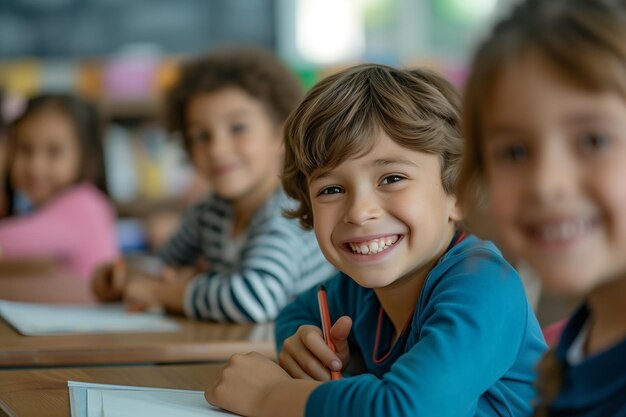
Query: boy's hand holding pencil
307, 355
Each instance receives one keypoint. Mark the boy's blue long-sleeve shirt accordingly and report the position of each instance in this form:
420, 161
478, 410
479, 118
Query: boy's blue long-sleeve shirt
469, 350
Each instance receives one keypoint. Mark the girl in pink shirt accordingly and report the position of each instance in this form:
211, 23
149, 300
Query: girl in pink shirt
55, 161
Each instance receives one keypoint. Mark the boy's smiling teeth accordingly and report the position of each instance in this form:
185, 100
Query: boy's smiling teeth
373, 246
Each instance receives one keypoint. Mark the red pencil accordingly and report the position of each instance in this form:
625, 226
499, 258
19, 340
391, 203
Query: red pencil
325, 316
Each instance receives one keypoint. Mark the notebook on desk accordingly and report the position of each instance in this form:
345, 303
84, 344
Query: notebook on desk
100, 400
31, 319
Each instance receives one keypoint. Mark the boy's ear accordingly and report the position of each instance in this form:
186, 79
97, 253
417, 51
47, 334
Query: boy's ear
456, 214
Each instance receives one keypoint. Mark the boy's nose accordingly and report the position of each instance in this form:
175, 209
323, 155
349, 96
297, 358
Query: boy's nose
217, 148
362, 209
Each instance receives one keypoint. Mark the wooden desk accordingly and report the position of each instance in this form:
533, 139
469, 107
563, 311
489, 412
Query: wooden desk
196, 341
41, 282
44, 392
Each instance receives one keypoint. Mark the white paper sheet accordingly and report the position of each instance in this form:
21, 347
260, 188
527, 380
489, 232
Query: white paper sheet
101, 400
32, 319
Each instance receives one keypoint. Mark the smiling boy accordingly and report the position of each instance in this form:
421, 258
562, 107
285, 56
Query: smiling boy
427, 319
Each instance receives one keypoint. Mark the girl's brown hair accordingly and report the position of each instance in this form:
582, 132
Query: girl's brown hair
585, 40
339, 118
85, 119
256, 71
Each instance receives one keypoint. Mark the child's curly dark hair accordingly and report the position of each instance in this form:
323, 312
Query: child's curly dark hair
256, 71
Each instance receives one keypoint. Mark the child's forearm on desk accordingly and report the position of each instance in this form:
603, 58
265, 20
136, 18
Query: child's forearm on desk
171, 296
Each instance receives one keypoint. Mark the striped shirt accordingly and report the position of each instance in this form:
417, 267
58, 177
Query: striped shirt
253, 277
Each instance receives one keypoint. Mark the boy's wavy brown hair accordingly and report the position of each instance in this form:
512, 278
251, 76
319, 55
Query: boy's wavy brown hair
340, 117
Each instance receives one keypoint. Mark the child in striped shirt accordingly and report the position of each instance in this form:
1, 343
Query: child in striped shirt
230, 108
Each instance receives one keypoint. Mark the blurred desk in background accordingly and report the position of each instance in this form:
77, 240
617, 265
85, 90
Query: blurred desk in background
36, 393
41, 281
195, 342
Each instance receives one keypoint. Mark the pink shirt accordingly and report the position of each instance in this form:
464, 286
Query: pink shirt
77, 229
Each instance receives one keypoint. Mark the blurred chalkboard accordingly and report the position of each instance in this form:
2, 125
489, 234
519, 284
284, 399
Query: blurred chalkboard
80, 28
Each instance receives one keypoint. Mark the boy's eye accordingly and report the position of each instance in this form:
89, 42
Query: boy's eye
331, 190
513, 153
238, 128
390, 179
594, 142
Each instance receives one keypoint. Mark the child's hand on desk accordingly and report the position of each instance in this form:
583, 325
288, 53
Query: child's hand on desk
144, 292
182, 274
109, 281
245, 384
305, 355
